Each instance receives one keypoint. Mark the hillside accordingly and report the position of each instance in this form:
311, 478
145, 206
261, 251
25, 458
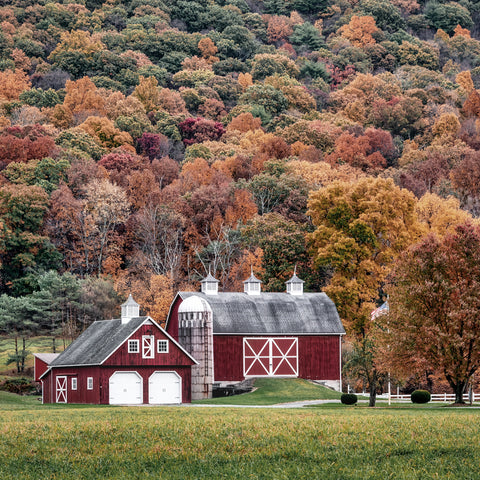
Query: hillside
143, 143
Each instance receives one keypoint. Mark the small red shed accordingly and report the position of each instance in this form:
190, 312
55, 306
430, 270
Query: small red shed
41, 363
236, 336
130, 360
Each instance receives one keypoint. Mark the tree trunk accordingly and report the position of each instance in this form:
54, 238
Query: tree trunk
459, 391
24, 354
17, 355
373, 389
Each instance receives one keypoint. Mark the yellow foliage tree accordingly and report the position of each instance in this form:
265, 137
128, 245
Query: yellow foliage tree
464, 79
105, 133
75, 41
147, 92
12, 84
441, 215
447, 126
359, 30
245, 80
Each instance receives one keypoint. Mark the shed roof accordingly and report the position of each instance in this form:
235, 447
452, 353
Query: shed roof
272, 313
46, 357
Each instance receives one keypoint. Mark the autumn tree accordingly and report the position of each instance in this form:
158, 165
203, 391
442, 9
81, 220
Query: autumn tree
435, 308
12, 84
360, 229
159, 236
359, 30
82, 99
107, 206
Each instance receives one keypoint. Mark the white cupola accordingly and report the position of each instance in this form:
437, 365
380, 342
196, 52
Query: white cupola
295, 284
210, 285
252, 285
130, 309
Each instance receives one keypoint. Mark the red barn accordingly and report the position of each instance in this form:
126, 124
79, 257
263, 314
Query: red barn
130, 360
236, 336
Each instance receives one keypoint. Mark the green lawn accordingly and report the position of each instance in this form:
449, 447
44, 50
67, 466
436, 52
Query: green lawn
271, 391
332, 442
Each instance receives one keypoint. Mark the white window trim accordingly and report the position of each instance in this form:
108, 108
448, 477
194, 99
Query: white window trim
74, 383
164, 342
89, 383
137, 346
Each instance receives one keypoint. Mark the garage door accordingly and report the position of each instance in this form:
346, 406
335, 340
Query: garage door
164, 388
269, 357
125, 388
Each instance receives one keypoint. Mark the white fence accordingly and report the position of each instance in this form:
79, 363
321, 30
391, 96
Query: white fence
435, 397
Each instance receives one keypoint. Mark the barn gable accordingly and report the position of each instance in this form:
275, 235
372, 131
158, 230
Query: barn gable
103, 338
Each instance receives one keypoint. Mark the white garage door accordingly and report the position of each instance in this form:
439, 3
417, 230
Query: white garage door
164, 387
126, 388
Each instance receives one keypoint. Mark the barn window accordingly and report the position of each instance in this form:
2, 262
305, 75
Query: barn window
162, 346
89, 383
74, 383
133, 346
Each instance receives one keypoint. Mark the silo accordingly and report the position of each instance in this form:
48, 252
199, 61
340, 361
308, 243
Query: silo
195, 334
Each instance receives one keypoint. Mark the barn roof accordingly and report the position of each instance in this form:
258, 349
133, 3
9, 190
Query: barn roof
97, 342
272, 313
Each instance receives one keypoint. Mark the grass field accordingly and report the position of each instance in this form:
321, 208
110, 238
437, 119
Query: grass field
330, 442
34, 345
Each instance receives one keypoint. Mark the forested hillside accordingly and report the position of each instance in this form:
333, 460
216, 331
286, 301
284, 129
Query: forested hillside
145, 142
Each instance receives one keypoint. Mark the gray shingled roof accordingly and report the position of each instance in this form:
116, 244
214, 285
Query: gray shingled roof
272, 313
97, 342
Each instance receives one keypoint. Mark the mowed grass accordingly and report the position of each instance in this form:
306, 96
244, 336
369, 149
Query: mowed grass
271, 391
62, 442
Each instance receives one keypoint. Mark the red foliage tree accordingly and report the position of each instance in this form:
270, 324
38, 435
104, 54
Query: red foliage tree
198, 130
434, 315
153, 145
20, 144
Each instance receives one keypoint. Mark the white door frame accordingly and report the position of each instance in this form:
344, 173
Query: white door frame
61, 389
266, 352
148, 346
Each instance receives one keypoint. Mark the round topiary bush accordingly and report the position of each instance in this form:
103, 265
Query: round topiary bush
420, 396
348, 399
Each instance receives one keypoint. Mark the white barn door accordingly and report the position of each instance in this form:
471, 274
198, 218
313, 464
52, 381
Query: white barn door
270, 357
164, 388
61, 389
125, 388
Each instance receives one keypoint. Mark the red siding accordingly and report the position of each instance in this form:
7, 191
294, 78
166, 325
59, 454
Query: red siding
101, 376
172, 320
228, 358
39, 368
174, 357
319, 357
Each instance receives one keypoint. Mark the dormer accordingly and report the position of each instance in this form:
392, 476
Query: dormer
210, 285
130, 309
252, 286
295, 284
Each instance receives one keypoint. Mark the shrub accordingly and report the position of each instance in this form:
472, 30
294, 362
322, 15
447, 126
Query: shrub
349, 399
420, 396
21, 386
